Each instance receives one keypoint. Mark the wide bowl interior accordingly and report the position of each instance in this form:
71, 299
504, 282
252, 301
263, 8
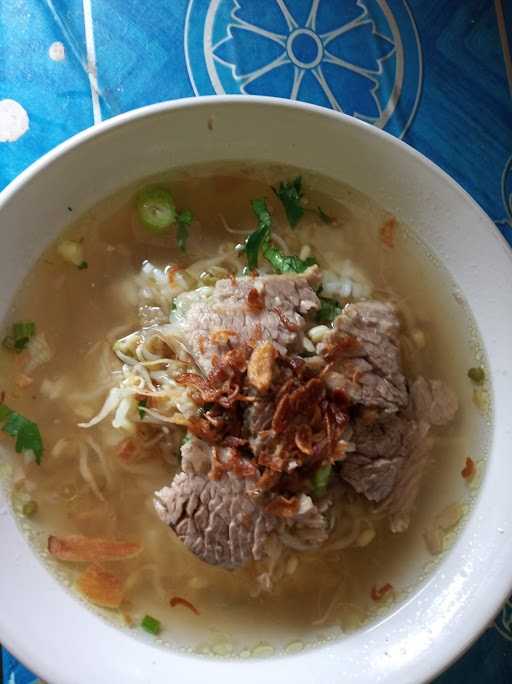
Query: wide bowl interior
45, 626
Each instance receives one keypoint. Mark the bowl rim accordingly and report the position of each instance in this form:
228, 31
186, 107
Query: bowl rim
98, 129
458, 645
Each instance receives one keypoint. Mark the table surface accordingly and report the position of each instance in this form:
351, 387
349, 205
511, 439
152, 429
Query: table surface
436, 73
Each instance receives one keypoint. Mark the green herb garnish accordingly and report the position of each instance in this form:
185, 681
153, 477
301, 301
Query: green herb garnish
329, 309
156, 209
184, 219
477, 375
290, 193
321, 480
261, 235
286, 264
82, 265
325, 217
28, 437
260, 239
151, 625
21, 334
141, 407
259, 207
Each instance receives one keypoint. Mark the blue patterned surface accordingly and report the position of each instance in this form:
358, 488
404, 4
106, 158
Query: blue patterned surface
437, 73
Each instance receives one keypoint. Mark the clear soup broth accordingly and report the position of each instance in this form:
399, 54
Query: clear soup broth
82, 486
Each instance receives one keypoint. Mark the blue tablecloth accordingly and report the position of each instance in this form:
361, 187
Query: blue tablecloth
436, 73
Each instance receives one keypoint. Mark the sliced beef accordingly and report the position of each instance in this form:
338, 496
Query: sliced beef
433, 404
392, 451
215, 519
230, 316
310, 527
356, 379
375, 478
381, 438
390, 438
380, 452
433, 401
399, 505
223, 521
269, 419
365, 347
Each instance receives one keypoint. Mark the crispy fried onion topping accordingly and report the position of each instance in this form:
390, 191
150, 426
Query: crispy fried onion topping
268, 418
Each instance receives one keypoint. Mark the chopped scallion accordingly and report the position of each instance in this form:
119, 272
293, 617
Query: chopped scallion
477, 375
321, 479
329, 309
151, 625
29, 508
20, 335
72, 251
156, 209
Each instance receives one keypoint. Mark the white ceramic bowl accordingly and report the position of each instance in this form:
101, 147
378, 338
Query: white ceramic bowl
51, 631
